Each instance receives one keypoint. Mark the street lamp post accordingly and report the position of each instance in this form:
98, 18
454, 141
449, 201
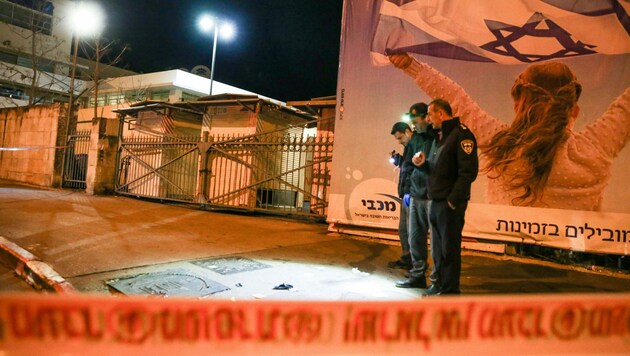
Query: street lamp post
72, 76
86, 20
207, 23
214, 54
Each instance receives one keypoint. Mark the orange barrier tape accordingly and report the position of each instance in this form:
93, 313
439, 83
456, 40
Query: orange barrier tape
489, 325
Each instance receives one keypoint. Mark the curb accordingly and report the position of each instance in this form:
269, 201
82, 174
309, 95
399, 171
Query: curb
33, 270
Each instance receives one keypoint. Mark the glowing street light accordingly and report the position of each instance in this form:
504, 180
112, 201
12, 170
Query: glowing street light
227, 31
87, 19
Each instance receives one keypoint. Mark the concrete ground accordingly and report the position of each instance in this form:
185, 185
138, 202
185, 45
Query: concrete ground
90, 243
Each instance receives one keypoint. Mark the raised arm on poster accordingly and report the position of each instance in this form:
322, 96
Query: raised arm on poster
538, 160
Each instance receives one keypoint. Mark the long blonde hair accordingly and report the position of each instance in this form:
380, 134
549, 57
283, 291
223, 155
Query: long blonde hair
523, 154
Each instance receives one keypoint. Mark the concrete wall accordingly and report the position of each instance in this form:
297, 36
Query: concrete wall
28, 138
101, 170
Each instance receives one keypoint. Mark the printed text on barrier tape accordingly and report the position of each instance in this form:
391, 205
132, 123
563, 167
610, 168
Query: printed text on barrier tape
556, 324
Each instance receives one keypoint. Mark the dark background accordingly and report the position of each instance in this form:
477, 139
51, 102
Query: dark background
286, 50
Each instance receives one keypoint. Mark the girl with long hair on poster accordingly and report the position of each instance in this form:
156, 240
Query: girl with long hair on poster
537, 160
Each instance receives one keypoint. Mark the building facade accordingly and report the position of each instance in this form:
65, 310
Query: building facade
35, 48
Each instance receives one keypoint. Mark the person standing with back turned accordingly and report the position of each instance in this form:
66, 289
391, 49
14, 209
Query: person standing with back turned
452, 166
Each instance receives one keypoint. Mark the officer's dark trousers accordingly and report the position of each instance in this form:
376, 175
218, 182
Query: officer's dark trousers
418, 235
403, 233
446, 244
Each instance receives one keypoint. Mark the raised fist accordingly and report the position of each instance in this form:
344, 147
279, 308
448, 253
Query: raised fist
401, 60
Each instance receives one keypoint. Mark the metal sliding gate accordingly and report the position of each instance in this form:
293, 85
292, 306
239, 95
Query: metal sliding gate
275, 172
75, 160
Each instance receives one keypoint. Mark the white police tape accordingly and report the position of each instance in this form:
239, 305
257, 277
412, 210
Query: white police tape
489, 325
31, 148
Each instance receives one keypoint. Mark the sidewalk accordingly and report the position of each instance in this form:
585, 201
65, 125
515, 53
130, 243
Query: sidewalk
92, 242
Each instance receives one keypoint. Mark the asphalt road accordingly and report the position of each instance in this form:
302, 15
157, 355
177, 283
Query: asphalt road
111, 244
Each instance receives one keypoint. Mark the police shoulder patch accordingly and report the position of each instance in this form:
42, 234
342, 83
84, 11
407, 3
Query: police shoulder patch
467, 146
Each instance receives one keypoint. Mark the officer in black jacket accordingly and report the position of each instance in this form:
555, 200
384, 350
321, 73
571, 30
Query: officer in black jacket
452, 166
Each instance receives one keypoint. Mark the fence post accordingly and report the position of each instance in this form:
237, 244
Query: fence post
102, 154
202, 175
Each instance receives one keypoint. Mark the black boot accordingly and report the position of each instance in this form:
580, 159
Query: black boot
399, 264
433, 290
412, 283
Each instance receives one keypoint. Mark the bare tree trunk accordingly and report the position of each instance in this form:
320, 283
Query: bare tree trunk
96, 76
42, 43
33, 90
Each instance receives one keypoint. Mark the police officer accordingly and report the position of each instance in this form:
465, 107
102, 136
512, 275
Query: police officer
452, 166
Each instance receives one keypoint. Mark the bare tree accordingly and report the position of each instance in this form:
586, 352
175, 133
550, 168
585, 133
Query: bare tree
101, 51
136, 92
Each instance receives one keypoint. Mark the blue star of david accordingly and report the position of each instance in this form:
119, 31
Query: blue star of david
503, 44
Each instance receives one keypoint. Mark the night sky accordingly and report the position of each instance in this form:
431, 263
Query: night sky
286, 50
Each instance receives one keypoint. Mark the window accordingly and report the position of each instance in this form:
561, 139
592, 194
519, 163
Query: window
189, 97
101, 101
133, 96
162, 95
42, 6
8, 58
115, 99
24, 62
10, 92
28, 14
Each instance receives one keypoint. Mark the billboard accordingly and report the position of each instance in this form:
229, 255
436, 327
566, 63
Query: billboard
476, 55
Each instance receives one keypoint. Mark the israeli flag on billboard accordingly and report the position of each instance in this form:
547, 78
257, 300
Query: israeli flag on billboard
500, 31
